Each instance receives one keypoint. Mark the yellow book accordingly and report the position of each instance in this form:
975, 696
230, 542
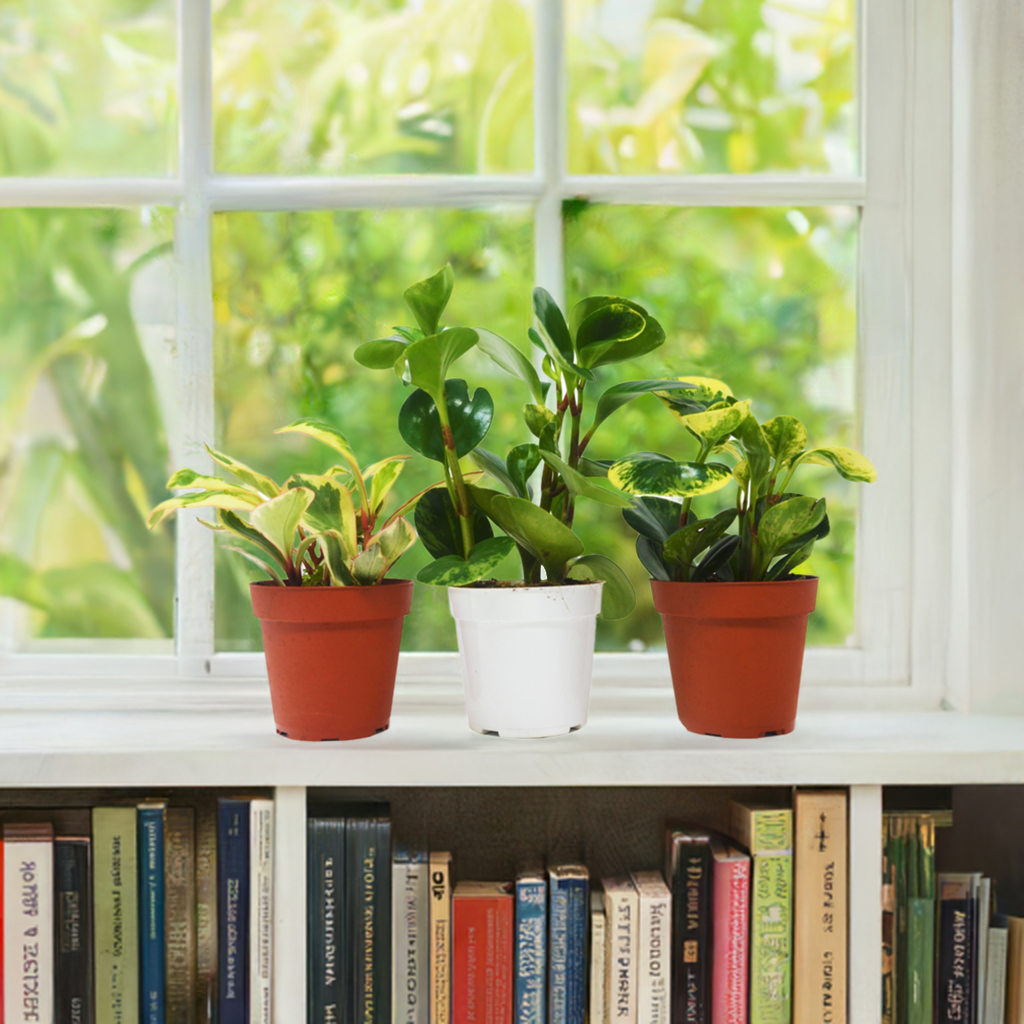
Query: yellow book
440, 938
1015, 972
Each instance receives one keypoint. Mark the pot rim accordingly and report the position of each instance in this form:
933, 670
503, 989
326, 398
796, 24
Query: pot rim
385, 600
736, 599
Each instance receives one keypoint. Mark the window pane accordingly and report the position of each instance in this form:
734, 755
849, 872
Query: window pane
373, 86
763, 299
86, 386
710, 86
294, 295
88, 87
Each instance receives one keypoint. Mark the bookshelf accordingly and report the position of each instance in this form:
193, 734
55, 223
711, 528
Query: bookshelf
634, 762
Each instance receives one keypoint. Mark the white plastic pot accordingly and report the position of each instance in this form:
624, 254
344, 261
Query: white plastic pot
527, 656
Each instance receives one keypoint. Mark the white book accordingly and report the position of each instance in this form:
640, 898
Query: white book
410, 907
653, 947
995, 971
28, 924
598, 958
261, 907
982, 925
621, 908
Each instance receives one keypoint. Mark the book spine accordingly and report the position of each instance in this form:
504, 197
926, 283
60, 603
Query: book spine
503, 961
180, 914
151, 915
382, 924
73, 931
28, 931
995, 977
819, 907
691, 930
771, 939
730, 930
206, 875
531, 951
576, 950
955, 966
115, 915
1015, 971
326, 982
233, 911
409, 907
654, 975
261, 907
440, 938
620, 984
558, 950
888, 925
920, 960
598, 955
481, 960
363, 865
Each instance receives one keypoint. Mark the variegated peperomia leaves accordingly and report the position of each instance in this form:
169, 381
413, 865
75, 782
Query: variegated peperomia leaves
315, 529
775, 528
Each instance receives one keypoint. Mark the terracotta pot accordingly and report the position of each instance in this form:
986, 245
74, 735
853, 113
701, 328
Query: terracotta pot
332, 655
736, 651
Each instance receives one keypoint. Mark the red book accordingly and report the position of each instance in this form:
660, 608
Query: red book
483, 915
730, 900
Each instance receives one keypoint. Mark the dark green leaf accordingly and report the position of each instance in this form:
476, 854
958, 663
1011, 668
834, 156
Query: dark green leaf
420, 425
651, 558
381, 354
428, 360
683, 546
580, 485
537, 417
552, 323
453, 571
650, 338
605, 328
720, 553
595, 467
438, 524
427, 299
521, 462
788, 521
657, 518
511, 360
784, 566
651, 473
558, 361
621, 394
618, 598
495, 466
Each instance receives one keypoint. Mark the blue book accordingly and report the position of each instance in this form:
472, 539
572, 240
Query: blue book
152, 952
569, 901
327, 977
530, 977
233, 911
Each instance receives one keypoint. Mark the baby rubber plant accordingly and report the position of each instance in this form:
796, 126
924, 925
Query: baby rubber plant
325, 529
775, 528
443, 422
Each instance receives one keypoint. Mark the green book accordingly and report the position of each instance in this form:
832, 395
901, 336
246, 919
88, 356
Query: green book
767, 833
115, 915
920, 984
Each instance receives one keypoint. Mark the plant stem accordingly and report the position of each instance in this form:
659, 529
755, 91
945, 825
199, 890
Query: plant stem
453, 474
684, 512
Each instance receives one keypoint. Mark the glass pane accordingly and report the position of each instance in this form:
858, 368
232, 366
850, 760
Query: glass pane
88, 87
373, 86
86, 388
689, 86
763, 299
294, 295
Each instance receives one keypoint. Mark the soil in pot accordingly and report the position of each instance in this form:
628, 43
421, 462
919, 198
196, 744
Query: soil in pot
332, 655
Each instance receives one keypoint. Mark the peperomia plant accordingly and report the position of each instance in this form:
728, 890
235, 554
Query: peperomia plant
775, 528
443, 422
314, 529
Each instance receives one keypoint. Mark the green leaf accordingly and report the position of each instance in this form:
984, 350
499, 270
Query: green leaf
786, 521
651, 337
581, 486
339, 555
549, 540
786, 437
438, 524
621, 394
381, 354
755, 447
720, 553
597, 468
604, 328
427, 300
420, 424
262, 483
850, 464
521, 462
382, 476
537, 418
453, 571
395, 539
201, 499
618, 598
240, 528
683, 546
278, 518
552, 324
326, 434
657, 518
567, 366
368, 567
707, 391
717, 422
331, 507
511, 360
495, 466
410, 334
258, 562
651, 473
428, 360
190, 478
649, 552
784, 566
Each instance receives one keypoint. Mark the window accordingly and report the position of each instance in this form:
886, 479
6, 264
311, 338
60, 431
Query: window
197, 252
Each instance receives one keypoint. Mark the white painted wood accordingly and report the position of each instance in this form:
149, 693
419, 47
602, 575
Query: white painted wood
865, 921
288, 978
54, 192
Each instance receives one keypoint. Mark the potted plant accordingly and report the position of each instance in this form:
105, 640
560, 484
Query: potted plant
526, 646
331, 621
734, 612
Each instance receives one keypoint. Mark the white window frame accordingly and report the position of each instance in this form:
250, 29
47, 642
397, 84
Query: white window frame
903, 539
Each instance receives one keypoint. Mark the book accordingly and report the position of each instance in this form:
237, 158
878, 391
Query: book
994, 1008
115, 914
819, 906
180, 914
206, 874
888, 928
327, 981
483, 923
730, 903
598, 1009
152, 923
767, 833
72, 939
233, 910
981, 946
410, 907
568, 907
28, 923
440, 937
368, 910
261, 907
530, 973
688, 870
654, 948
957, 947
1014, 970
621, 912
